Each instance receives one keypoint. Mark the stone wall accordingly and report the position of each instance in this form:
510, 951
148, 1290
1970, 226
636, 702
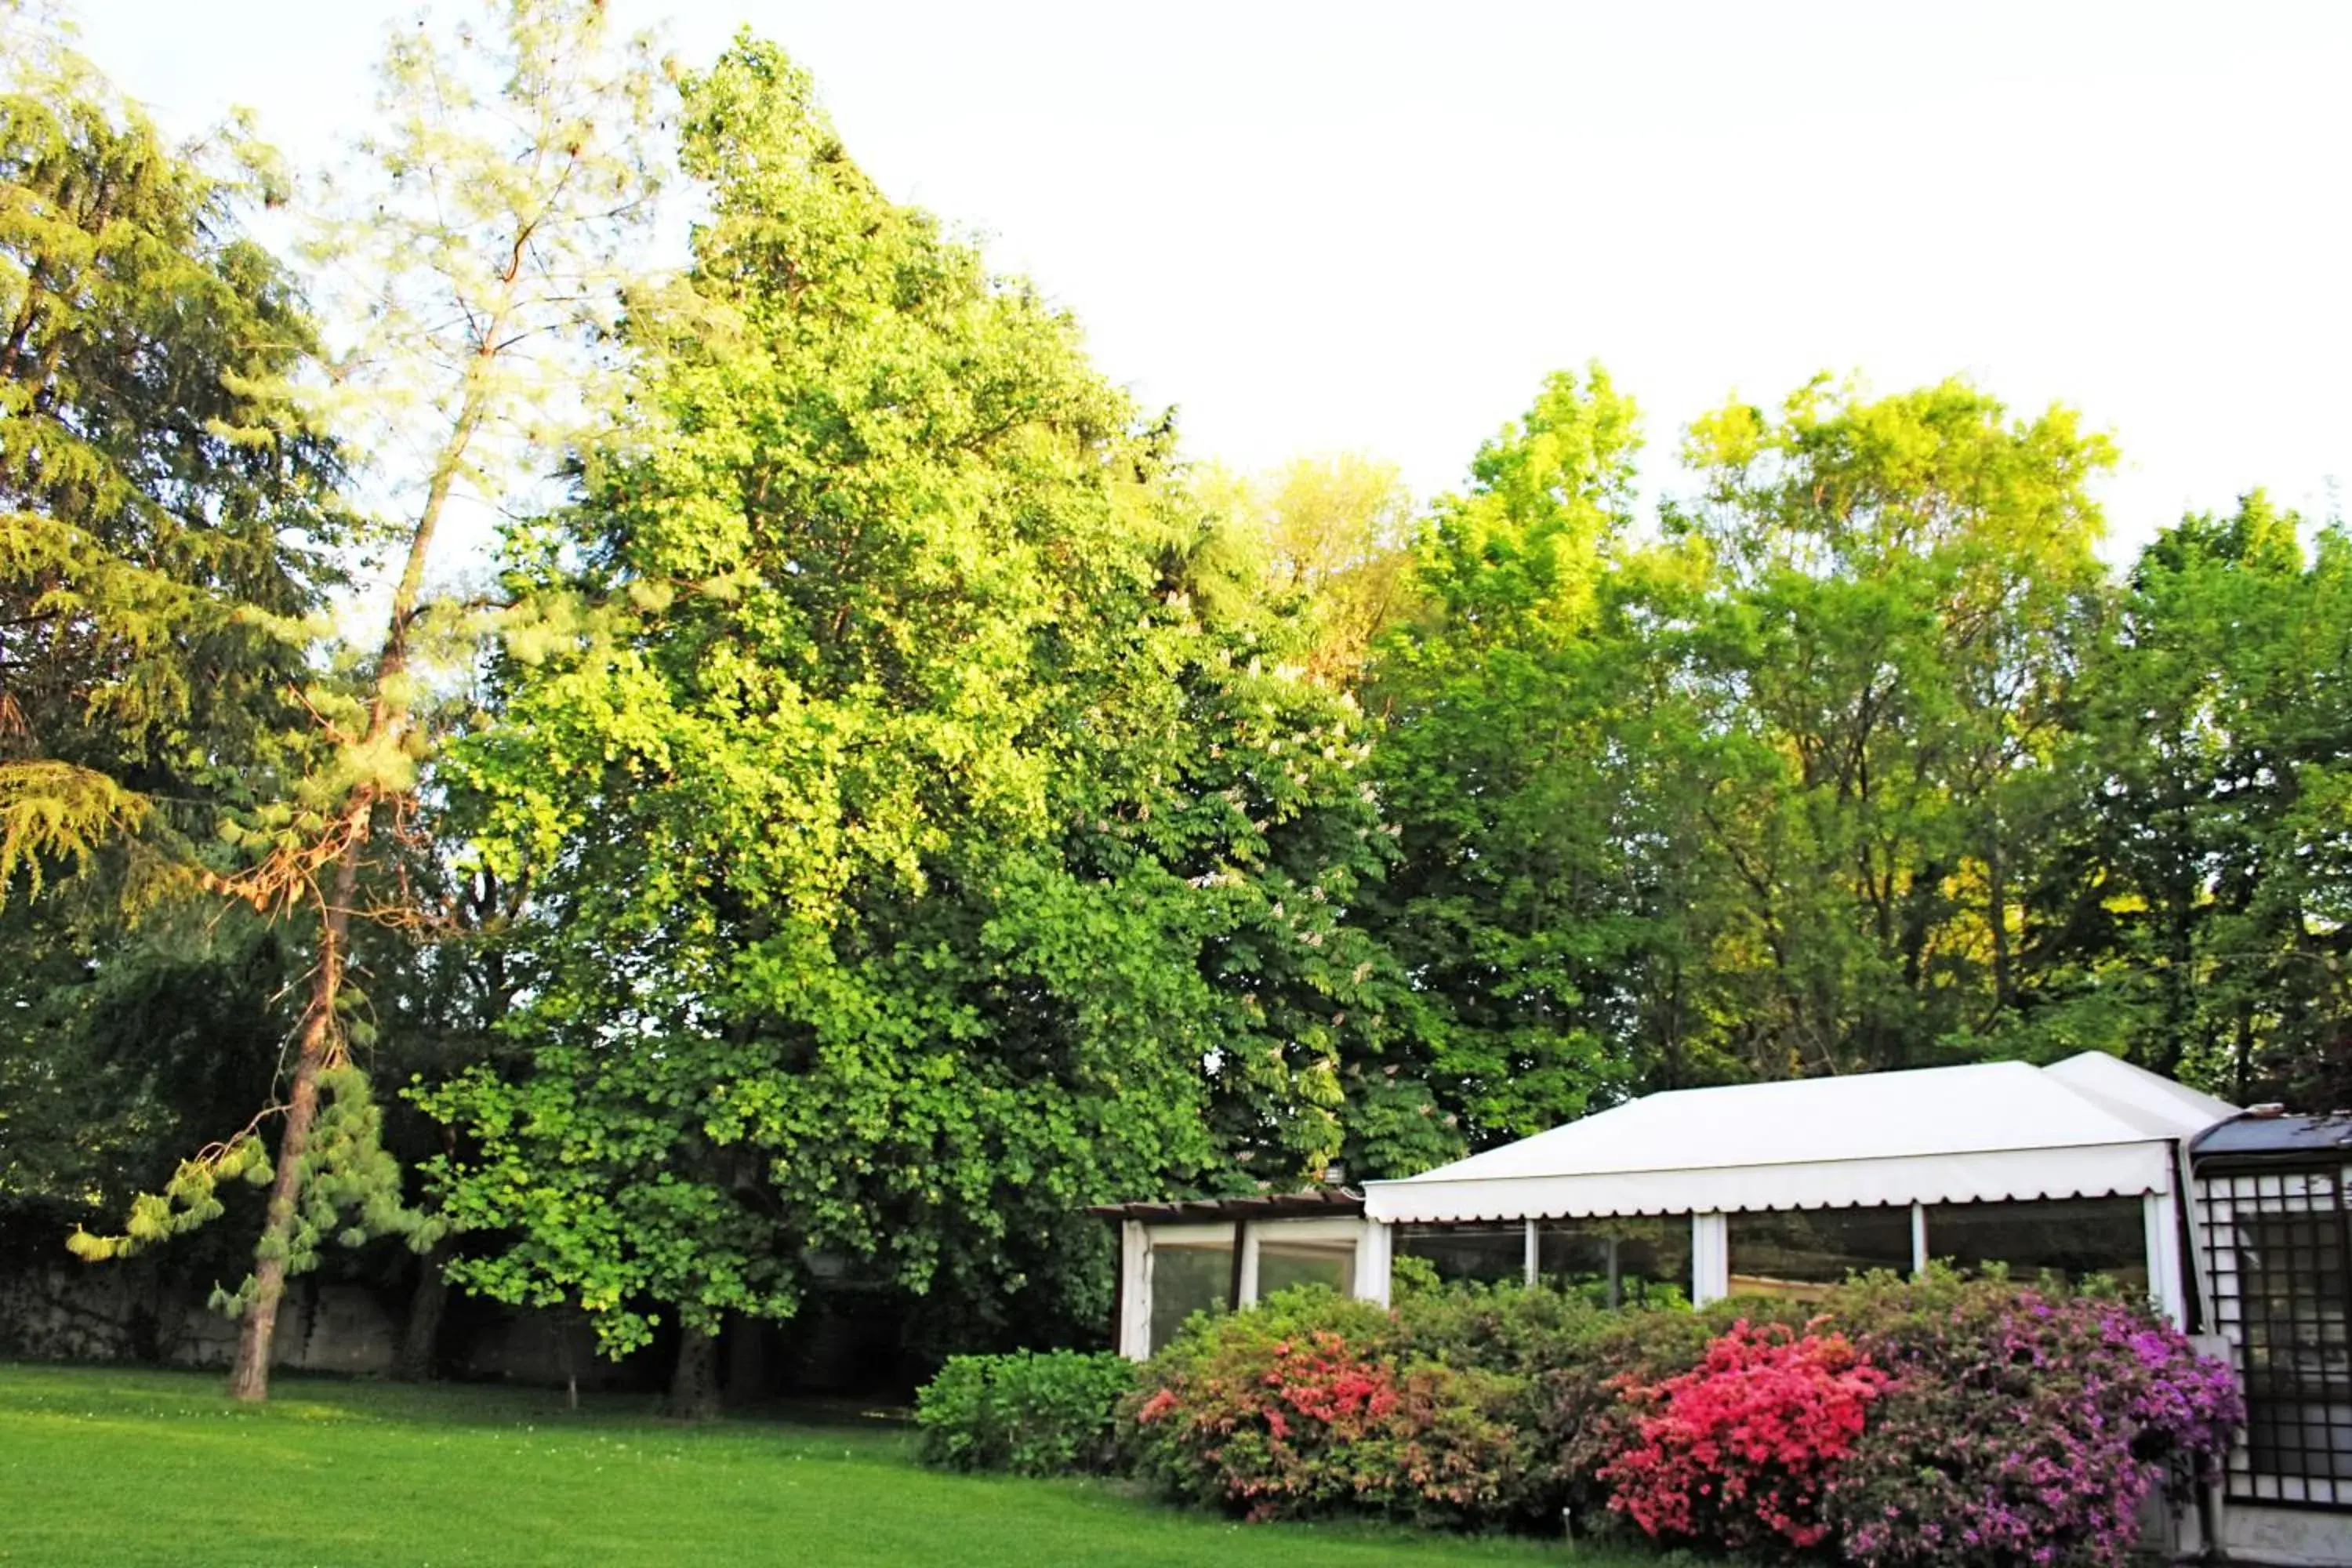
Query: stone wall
141, 1310
135, 1311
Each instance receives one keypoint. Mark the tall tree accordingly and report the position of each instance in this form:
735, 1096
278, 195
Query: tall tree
1516, 906
167, 512
2195, 908
483, 245
1904, 588
915, 856
168, 522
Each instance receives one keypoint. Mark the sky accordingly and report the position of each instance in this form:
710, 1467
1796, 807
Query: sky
1376, 227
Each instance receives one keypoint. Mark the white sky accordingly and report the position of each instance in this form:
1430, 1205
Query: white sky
1376, 226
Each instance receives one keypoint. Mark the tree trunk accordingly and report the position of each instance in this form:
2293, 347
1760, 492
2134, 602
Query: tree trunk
694, 1386
387, 717
249, 1377
421, 1335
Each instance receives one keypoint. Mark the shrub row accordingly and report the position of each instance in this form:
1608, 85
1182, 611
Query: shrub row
1898, 1423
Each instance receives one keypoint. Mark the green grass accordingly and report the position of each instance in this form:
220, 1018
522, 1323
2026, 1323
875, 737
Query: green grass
115, 1467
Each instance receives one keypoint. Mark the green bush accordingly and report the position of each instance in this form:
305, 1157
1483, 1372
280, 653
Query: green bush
1032, 1413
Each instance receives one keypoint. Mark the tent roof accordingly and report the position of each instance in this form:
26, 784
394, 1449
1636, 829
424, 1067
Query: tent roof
2087, 1126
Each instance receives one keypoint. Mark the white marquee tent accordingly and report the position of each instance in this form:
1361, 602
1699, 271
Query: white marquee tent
1993, 1132
2091, 1126
2083, 1166
1986, 1162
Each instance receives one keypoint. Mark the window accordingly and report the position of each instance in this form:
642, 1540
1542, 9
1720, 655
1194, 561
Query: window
1282, 1264
1800, 1253
1640, 1258
2072, 1237
2280, 1293
1188, 1277
1485, 1253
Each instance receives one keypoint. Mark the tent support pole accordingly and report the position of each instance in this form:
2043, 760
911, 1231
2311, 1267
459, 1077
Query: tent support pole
1710, 1258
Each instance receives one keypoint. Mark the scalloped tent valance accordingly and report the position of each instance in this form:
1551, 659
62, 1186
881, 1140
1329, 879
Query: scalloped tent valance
2090, 1126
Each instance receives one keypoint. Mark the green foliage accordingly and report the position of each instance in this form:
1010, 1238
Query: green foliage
166, 510
348, 1192
114, 1067
914, 855
1765, 793
2197, 898
1334, 533
1029, 1413
1519, 808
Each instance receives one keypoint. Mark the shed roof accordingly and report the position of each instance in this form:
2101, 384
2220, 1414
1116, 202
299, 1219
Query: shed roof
1314, 1203
2271, 1137
2087, 1126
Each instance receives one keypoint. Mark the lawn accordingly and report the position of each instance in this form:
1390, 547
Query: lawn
115, 1467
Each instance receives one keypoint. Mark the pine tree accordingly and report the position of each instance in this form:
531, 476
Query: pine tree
479, 251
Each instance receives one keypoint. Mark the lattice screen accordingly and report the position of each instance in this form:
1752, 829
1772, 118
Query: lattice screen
2279, 1250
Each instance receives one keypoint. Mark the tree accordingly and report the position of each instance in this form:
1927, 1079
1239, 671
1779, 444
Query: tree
167, 512
2195, 908
1768, 792
485, 248
1905, 587
1335, 532
168, 522
916, 855
1518, 759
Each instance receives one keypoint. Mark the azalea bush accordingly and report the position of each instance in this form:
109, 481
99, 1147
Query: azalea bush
2022, 1425
1033, 1415
1311, 1404
1584, 1420
1897, 1424
1737, 1452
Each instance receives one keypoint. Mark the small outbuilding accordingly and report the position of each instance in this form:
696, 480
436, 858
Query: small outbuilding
1219, 1255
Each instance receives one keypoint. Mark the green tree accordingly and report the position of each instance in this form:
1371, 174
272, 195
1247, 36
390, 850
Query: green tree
166, 510
1903, 587
483, 245
169, 522
1518, 907
1768, 791
1336, 533
927, 836
2195, 908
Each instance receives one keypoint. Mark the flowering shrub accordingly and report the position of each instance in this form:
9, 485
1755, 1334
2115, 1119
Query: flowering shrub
1909, 1423
1537, 1343
1310, 1419
2022, 1427
1736, 1451
1031, 1414
1584, 1422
